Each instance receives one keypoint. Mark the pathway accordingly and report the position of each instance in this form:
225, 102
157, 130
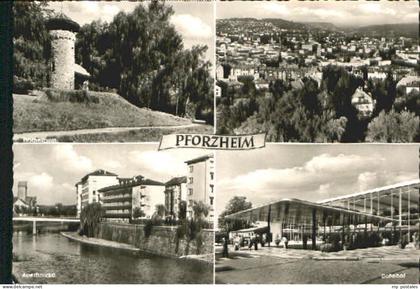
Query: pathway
41, 135
99, 242
376, 253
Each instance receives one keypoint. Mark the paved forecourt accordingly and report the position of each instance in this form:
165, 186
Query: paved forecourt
389, 265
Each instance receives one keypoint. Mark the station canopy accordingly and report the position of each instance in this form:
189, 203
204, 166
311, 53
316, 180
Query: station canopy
386, 196
294, 211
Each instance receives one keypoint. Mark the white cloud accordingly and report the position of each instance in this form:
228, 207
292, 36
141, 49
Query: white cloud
367, 180
276, 8
89, 6
111, 165
70, 160
324, 189
341, 162
376, 8
314, 175
321, 13
159, 162
191, 27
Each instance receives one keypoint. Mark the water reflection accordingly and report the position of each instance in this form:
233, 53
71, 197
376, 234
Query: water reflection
75, 263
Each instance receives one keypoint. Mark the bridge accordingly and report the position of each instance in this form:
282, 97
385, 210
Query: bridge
45, 219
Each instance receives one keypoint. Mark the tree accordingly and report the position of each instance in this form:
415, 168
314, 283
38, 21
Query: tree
200, 210
31, 42
160, 211
182, 210
141, 55
409, 102
394, 127
138, 213
236, 204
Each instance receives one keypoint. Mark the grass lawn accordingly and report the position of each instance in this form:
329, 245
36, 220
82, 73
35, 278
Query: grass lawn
37, 113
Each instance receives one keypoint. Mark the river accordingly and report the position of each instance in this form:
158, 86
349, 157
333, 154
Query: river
53, 258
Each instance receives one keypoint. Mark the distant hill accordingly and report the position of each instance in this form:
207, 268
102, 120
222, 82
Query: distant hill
285, 24
406, 30
321, 25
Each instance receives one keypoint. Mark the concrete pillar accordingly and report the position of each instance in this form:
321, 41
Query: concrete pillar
378, 205
33, 227
365, 224
371, 203
269, 237
364, 204
276, 228
408, 214
392, 206
400, 207
314, 225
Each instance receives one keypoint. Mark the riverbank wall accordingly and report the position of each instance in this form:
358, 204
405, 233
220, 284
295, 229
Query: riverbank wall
161, 241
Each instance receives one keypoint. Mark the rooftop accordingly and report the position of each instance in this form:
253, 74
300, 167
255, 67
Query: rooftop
199, 159
299, 211
134, 182
385, 189
99, 172
62, 22
176, 181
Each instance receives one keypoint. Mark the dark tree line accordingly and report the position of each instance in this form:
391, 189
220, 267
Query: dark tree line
138, 54
324, 113
141, 55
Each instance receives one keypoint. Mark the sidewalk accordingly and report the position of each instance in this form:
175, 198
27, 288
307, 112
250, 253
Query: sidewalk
99, 242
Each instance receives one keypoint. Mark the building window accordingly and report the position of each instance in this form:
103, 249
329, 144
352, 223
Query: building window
211, 175
190, 180
190, 192
191, 169
211, 201
94, 192
211, 188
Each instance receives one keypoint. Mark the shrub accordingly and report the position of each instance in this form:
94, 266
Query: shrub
79, 96
328, 248
148, 228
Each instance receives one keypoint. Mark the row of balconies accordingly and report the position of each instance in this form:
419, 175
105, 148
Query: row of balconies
112, 206
116, 198
111, 212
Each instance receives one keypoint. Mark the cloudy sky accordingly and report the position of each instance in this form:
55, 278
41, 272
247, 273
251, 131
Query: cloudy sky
193, 20
311, 172
355, 13
52, 170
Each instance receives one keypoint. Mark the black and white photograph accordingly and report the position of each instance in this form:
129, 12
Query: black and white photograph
103, 214
112, 71
318, 71
318, 214
209, 143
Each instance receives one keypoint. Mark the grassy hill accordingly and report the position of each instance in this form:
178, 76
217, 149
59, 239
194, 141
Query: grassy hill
100, 110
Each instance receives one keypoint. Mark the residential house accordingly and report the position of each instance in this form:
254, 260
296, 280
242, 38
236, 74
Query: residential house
175, 192
200, 184
131, 198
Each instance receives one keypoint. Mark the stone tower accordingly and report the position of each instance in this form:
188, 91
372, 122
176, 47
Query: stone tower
63, 36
